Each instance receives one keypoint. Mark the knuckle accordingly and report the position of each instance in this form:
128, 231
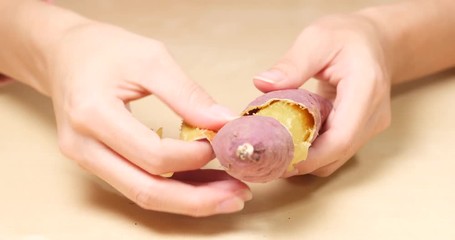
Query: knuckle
66, 146
196, 208
70, 148
346, 149
319, 28
194, 96
308, 166
84, 163
345, 144
325, 27
82, 113
385, 122
155, 167
195, 93
288, 66
144, 197
147, 197
324, 172
154, 163
158, 46
191, 91
382, 83
156, 52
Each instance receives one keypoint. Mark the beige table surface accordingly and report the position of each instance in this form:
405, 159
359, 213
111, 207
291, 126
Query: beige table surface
399, 186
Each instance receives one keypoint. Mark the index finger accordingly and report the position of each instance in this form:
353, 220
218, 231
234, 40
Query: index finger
222, 195
345, 128
116, 127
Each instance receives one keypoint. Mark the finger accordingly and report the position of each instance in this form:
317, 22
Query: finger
5, 80
343, 135
185, 97
203, 175
215, 178
328, 170
162, 194
304, 59
116, 127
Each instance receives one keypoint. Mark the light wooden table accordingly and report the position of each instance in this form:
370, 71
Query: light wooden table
399, 186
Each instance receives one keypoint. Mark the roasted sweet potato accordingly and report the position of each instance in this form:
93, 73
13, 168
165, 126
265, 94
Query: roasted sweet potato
254, 148
273, 134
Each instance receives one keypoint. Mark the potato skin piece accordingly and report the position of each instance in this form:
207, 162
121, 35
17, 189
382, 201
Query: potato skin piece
318, 106
271, 153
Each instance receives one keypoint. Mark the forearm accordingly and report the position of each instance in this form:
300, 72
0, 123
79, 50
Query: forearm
419, 36
30, 30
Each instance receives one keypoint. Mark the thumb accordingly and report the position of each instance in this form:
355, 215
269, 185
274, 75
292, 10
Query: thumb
304, 59
190, 101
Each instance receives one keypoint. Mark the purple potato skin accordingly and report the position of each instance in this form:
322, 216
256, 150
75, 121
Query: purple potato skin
271, 141
318, 106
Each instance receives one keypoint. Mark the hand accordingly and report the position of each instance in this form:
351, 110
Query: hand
4, 80
94, 71
346, 54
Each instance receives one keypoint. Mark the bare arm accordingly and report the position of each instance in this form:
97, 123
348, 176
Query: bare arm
356, 58
92, 70
30, 31
419, 36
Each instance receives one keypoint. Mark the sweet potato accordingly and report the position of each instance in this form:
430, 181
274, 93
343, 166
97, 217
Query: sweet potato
254, 148
272, 136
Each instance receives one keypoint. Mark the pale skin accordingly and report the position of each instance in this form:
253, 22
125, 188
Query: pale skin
357, 58
91, 71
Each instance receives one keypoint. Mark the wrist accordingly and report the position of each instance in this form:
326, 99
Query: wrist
390, 39
418, 36
29, 45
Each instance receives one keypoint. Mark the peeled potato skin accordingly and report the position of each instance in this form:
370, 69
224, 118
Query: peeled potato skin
318, 106
272, 143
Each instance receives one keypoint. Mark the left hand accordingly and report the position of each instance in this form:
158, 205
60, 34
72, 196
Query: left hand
348, 57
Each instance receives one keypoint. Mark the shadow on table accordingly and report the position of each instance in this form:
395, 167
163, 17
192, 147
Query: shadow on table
31, 101
272, 203
295, 201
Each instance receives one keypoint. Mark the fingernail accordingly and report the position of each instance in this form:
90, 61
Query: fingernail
271, 76
223, 112
288, 174
245, 194
230, 205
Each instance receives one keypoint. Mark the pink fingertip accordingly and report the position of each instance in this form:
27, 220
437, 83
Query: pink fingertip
270, 76
223, 112
230, 205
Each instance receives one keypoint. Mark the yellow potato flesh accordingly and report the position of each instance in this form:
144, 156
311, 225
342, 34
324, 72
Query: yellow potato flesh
297, 120
190, 133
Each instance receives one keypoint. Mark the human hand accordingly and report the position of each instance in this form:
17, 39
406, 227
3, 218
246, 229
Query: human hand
4, 80
94, 71
348, 57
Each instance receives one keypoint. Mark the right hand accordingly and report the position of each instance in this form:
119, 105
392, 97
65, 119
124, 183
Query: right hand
347, 55
93, 73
